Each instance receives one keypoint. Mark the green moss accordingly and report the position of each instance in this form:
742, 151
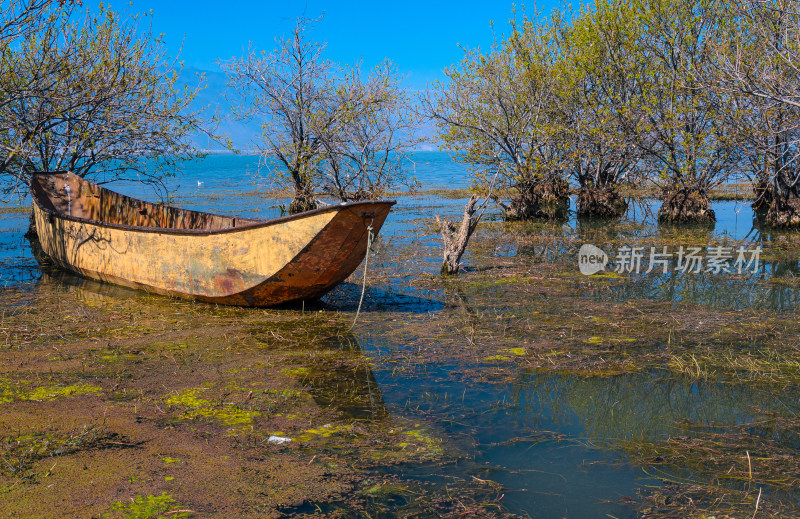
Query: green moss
148, 507
297, 372
196, 407
9, 393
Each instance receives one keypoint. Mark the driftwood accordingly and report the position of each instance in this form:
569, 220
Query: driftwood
456, 239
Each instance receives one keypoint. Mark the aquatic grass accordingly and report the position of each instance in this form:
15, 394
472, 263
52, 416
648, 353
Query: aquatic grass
722, 469
19, 453
780, 367
13, 209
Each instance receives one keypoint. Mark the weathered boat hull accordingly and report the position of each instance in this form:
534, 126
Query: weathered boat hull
82, 227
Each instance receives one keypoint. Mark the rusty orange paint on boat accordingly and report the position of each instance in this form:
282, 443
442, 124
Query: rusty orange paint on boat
107, 236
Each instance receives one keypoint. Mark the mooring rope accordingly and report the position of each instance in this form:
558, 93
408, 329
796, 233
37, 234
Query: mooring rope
370, 237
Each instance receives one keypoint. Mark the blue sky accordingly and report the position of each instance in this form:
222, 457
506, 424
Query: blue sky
420, 37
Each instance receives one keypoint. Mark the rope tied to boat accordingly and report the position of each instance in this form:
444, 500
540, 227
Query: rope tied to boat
370, 238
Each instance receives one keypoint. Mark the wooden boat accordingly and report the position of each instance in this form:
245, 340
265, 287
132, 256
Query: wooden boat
107, 236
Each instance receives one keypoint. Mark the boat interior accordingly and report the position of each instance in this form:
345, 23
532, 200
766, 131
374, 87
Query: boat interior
71, 195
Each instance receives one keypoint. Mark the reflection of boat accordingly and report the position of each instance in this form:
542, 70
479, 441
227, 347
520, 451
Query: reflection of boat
85, 289
345, 381
111, 237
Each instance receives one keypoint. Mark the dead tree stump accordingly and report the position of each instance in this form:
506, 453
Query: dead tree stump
455, 240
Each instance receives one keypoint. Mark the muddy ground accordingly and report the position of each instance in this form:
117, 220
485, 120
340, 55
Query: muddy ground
117, 403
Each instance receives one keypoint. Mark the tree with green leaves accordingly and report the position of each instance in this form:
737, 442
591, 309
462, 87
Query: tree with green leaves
598, 98
687, 148
497, 112
331, 131
93, 94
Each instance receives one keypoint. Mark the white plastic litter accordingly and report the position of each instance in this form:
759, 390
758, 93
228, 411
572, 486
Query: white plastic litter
278, 440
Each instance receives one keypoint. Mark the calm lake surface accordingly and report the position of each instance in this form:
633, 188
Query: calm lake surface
548, 438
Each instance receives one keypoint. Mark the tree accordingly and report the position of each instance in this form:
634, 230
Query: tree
369, 150
331, 132
757, 63
94, 95
498, 112
20, 18
597, 97
686, 146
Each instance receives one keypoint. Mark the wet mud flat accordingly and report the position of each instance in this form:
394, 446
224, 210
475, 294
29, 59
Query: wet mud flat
519, 388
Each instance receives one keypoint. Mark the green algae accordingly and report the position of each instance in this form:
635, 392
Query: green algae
10, 392
163, 506
296, 372
196, 407
53, 392
505, 354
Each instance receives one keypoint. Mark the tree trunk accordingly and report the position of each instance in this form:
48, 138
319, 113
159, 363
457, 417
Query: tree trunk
784, 211
538, 199
764, 196
686, 204
303, 198
455, 240
601, 202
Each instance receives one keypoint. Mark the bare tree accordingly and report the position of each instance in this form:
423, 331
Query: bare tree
95, 95
369, 152
757, 63
331, 133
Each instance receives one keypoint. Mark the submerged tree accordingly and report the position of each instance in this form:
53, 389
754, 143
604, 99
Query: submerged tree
598, 100
498, 112
687, 148
330, 131
757, 63
94, 95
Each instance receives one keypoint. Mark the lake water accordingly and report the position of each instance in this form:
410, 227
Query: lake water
548, 438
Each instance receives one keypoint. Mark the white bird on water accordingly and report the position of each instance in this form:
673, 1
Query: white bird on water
199, 184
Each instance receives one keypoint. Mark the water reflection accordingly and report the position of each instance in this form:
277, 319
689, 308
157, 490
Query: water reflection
555, 442
770, 286
644, 406
718, 291
546, 466
350, 387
